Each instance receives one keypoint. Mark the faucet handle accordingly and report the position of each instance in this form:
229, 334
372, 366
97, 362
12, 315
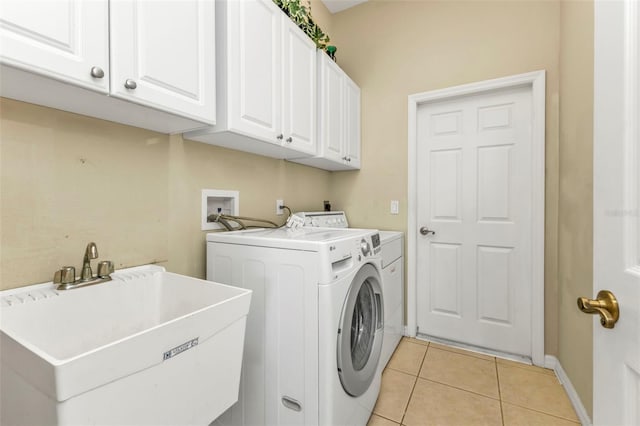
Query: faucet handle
66, 275
105, 268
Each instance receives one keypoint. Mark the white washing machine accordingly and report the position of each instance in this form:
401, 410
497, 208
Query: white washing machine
392, 255
315, 326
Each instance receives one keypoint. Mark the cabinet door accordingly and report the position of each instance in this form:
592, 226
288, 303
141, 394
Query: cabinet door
254, 55
163, 55
59, 39
299, 88
331, 120
352, 123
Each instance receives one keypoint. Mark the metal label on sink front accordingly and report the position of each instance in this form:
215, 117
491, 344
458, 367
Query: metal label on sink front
179, 349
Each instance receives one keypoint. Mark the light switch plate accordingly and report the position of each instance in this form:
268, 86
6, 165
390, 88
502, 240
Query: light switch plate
395, 207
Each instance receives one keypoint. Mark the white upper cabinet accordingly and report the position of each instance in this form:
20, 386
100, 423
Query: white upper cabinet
65, 40
352, 123
253, 63
159, 56
266, 85
332, 109
338, 119
299, 89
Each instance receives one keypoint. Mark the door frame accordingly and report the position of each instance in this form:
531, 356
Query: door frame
536, 81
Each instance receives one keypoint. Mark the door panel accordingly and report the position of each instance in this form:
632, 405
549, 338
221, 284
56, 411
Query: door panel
352, 123
495, 279
332, 113
259, 66
300, 88
62, 40
474, 274
494, 178
446, 185
446, 276
254, 96
170, 73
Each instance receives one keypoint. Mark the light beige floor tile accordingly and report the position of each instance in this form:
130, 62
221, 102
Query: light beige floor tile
436, 404
464, 372
538, 391
460, 351
408, 357
518, 416
414, 340
380, 421
394, 395
525, 366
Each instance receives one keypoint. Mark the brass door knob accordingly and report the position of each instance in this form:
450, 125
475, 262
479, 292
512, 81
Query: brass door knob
604, 304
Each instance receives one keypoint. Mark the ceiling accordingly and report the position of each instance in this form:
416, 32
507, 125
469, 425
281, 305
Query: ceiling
336, 6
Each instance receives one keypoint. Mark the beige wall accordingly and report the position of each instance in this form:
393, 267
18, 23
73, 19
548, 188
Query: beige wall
396, 48
66, 180
575, 230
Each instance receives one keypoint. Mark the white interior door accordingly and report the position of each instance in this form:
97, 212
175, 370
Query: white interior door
475, 192
617, 210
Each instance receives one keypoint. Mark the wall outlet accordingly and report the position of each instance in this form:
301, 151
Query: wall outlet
218, 201
279, 207
395, 207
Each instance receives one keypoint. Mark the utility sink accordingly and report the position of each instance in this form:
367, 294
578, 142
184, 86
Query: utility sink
148, 347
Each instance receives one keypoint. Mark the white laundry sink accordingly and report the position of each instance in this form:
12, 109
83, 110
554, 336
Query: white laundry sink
148, 347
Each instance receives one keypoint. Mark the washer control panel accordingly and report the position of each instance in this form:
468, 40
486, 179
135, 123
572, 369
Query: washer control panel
324, 219
365, 247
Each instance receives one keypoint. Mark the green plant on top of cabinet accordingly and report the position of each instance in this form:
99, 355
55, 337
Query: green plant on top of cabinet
338, 119
301, 16
154, 60
266, 82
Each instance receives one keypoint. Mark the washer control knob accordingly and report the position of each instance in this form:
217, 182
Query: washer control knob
365, 247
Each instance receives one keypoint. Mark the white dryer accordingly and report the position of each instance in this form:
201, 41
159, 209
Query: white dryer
315, 326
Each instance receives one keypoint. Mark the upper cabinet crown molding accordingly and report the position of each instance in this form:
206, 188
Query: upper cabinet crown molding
266, 82
158, 70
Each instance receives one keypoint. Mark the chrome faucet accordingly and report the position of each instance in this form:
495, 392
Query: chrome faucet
66, 277
90, 253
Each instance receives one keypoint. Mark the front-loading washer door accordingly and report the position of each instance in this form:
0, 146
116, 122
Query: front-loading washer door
360, 332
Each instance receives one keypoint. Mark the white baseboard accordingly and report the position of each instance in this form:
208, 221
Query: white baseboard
406, 331
553, 363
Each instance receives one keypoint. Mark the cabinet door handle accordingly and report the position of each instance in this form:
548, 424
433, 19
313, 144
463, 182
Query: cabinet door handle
289, 139
97, 72
280, 136
130, 84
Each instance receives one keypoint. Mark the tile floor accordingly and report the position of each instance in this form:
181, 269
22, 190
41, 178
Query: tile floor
426, 383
